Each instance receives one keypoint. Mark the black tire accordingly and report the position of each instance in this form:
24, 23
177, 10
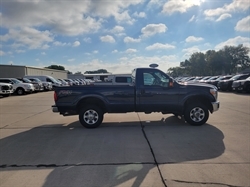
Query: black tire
196, 114
6, 95
91, 116
20, 91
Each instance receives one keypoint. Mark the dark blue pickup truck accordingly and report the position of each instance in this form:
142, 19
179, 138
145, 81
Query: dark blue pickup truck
151, 90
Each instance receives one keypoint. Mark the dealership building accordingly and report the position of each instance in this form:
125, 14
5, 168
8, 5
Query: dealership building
13, 71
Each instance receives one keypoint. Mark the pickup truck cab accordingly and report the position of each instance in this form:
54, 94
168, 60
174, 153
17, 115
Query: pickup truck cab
151, 90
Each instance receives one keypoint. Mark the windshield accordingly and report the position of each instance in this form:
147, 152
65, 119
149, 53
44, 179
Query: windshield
235, 77
16, 81
37, 80
26, 80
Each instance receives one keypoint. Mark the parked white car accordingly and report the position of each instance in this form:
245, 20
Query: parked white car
20, 87
6, 89
45, 78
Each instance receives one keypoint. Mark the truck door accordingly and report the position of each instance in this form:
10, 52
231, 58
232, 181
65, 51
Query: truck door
156, 94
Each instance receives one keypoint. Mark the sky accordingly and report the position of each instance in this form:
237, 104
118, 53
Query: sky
118, 35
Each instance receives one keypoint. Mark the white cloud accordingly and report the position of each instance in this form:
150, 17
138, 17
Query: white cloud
117, 9
189, 51
243, 25
131, 40
160, 46
181, 6
64, 17
193, 39
107, 38
87, 40
131, 51
235, 6
57, 43
76, 44
71, 60
115, 51
28, 37
125, 64
224, 16
234, 42
20, 51
95, 51
117, 29
43, 53
140, 15
152, 29
2, 53
155, 3
192, 18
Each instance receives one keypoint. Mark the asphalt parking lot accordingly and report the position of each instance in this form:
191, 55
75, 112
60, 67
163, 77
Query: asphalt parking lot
39, 148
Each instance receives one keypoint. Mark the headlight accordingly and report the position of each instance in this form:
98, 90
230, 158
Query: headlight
214, 93
27, 86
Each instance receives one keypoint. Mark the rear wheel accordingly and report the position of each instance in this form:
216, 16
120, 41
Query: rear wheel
91, 116
196, 114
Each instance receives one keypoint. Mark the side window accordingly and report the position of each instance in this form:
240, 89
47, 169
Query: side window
6, 81
155, 78
48, 80
148, 79
123, 79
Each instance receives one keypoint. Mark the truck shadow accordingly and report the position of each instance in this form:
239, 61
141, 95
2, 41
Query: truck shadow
111, 155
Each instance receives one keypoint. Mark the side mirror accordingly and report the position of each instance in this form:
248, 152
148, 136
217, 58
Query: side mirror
171, 82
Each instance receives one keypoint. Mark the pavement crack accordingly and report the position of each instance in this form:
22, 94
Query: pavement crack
207, 183
152, 151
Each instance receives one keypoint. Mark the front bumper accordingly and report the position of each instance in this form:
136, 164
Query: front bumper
29, 90
6, 92
216, 106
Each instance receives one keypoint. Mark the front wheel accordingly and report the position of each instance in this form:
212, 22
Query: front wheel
20, 91
91, 116
196, 114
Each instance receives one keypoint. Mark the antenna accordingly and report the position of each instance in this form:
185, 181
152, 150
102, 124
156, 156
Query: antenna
153, 65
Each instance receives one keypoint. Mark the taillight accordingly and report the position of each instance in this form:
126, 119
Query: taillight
55, 96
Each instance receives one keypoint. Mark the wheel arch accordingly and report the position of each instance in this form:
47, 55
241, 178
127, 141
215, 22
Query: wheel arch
91, 100
198, 99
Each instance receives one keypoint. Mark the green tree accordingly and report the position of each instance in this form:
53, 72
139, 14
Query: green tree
214, 62
235, 58
58, 67
176, 71
198, 64
96, 72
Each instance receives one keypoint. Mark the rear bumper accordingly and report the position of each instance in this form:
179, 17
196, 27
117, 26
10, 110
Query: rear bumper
54, 108
216, 106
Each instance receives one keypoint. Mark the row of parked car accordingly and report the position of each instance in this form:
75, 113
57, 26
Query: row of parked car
239, 82
29, 84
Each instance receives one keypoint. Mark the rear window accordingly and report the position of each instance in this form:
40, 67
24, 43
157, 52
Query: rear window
123, 79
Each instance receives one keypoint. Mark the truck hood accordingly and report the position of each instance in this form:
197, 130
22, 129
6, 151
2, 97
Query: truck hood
5, 84
198, 85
